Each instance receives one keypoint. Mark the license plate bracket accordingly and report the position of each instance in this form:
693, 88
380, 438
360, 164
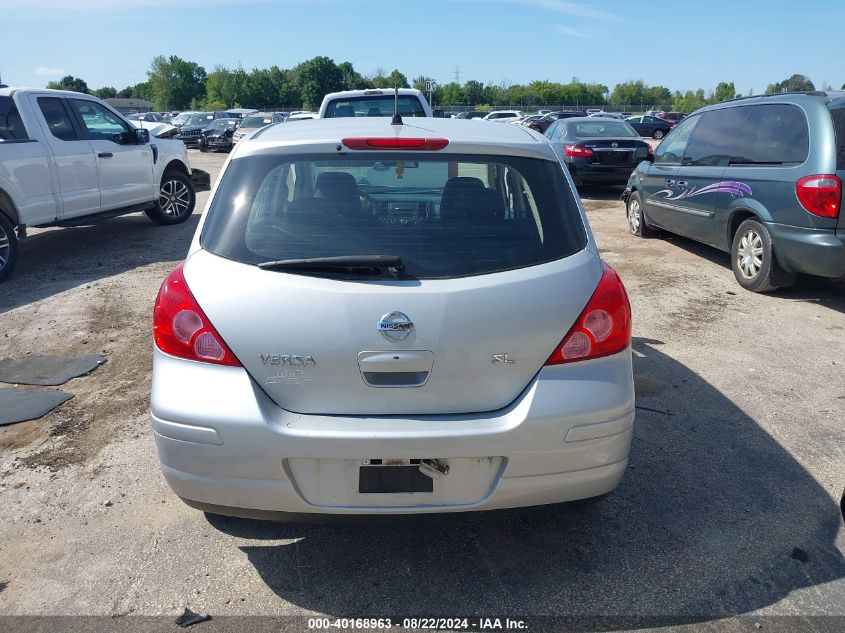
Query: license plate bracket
393, 480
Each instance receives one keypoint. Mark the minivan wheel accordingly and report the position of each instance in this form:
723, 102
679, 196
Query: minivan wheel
658, 134
636, 217
8, 247
752, 259
176, 199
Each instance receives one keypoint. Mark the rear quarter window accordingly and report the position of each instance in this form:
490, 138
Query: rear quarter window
445, 216
11, 124
772, 134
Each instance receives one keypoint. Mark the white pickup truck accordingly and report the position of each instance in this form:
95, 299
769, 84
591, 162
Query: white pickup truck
374, 102
69, 159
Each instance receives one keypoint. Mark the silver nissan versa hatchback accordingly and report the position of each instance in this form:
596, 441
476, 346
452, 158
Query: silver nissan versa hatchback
378, 318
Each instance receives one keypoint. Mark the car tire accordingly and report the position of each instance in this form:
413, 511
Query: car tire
753, 259
637, 223
8, 247
658, 134
176, 199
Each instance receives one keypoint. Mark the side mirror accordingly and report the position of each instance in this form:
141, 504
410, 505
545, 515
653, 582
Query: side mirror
142, 136
641, 153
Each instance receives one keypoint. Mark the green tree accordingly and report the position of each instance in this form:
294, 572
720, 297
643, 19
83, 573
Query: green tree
69, 82
175, 82
451, 94
316, 78
352, 79
141, 91
394, 80
473, 92
106, 92
126, 93
725, 91
657, 97
628, 92
795, 83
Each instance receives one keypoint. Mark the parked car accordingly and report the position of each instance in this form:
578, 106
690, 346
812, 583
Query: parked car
503, 116
649, 126
374, 103
608, 115
760, 178
149, 117
400, 246
180, 118
68, 158
673, 118
218, 135
301, 116
471, 114
528, 119
598, 150
192, 126
541, 125
256, 121
240, 113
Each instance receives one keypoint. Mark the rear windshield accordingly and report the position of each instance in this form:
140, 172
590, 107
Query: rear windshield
602, 128
11, 125
256, 121
838, 115
378, 105
199, 119
465, 215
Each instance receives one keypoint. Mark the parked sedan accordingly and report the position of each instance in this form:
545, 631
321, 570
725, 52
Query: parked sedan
598, 150
149, 117
543, 123
218, 135
649, 126
256, 121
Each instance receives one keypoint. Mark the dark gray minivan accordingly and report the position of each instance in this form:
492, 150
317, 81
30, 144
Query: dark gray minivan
759, 177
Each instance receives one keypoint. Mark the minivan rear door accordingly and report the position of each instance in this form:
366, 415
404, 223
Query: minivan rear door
837, 112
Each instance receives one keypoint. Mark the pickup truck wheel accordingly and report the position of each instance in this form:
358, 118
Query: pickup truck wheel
8, 247
176, 199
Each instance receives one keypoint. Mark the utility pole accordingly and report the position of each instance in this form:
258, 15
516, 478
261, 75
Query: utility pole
457, 74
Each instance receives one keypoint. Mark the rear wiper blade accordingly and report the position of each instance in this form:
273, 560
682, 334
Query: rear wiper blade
353, 263
756, 162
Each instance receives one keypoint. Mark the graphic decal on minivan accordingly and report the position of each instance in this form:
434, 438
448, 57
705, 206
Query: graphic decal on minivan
736, 189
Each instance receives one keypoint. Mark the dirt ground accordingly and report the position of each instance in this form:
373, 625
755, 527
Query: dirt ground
729, 506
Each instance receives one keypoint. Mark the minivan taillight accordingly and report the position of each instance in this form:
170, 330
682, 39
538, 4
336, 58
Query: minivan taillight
820, 195
181, 329
604, 327
578, 151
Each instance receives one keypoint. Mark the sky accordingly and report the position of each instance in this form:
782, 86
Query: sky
680, 44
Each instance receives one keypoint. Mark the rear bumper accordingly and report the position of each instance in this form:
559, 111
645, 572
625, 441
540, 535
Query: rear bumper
223, 443
605, 174
810, 251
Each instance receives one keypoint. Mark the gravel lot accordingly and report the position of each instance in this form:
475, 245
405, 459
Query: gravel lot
729, 506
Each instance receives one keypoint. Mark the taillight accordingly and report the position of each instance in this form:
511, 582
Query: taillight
578, 151
388, 143
650, 150
181, 329
604, 326
820, 195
